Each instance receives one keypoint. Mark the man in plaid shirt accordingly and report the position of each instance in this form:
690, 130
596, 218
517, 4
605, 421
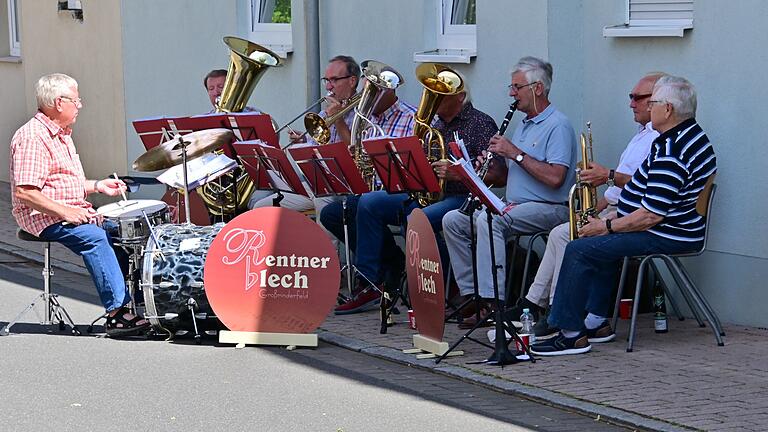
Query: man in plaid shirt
48, 191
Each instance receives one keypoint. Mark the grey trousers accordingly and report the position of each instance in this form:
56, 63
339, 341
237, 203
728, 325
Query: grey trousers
526, 218
542, 290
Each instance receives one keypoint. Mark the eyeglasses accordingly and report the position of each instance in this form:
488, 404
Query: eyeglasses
76, 101
639, 97
334, 80
654, 102
517, 87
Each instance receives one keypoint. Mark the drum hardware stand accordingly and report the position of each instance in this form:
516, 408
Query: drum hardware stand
183, 145
501, 355
191, 305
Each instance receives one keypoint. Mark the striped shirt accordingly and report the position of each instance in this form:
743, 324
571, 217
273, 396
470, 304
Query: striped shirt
44, 156
669, 181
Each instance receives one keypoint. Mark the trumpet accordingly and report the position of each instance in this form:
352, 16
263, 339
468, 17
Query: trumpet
582, 198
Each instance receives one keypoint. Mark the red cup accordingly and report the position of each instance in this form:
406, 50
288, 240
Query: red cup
526, 341
625, 308
411, 319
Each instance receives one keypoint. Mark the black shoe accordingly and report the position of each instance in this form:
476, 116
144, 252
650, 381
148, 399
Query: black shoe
544, 331
562, 345
513, 313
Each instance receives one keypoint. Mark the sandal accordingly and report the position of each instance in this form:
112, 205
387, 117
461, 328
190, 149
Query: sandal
120, 325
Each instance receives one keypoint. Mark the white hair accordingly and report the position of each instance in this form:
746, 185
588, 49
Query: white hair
49, 87
535, 69
678, 92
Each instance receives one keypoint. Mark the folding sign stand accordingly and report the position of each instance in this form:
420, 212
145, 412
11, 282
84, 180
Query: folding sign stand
402, 167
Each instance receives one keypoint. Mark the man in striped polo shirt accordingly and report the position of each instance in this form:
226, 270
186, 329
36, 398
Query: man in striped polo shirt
656, 214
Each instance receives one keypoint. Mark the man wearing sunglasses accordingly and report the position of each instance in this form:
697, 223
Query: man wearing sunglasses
542, 291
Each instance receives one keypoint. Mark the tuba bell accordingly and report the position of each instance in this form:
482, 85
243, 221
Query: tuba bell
438, 81
247, 64
582, 198
379, 78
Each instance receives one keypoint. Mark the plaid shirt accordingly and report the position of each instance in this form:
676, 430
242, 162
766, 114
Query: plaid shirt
44, 156
397, 120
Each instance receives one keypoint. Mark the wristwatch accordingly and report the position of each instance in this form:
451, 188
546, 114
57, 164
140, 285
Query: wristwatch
608, 226
519, 158
610, 182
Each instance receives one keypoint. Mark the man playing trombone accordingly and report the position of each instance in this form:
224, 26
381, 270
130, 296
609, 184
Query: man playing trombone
341, 79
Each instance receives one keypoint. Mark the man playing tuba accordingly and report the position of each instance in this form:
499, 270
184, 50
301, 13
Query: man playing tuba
377, 210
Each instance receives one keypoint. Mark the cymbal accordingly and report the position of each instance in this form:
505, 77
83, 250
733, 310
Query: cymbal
168, 154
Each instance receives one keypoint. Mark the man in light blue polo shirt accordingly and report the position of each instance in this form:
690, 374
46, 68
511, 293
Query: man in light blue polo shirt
539, 162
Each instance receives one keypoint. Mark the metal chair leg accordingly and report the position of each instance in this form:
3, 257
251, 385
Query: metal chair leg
620, 293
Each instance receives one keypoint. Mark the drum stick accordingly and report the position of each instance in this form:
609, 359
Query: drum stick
122, 191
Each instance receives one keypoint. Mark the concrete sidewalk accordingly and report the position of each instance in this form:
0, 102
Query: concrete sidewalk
675, 381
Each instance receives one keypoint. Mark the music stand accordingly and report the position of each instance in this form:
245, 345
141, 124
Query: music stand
331, 171
402, 166
493, 205
269, 168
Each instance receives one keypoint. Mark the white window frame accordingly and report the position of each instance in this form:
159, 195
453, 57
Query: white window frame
14, 36
456, 43
278, 37
661, 23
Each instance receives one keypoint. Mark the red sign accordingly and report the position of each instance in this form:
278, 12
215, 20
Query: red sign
426, 288
272, 270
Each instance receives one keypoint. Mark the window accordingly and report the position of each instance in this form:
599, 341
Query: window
654, 18
270, 25
456, 33
13, 28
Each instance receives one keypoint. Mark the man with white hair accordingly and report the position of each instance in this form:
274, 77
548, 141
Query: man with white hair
656, 214
539, 165
48, 191
542, 290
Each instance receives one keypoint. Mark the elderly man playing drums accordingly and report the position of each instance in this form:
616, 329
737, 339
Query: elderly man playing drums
48, 191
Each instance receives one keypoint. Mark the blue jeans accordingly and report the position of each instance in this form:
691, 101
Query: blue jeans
589, 273
331, 219
375, 212
94, 244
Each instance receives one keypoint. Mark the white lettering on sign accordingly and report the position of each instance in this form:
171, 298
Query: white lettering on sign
427, 284
244, 245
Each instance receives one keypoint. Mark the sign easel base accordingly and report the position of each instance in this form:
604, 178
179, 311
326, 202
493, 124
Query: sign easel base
431, 347
242, 338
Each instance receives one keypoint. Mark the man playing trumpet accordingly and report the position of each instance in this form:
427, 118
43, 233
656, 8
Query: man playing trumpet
542, 290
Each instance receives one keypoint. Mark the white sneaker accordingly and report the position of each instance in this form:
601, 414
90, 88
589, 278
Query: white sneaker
492, 335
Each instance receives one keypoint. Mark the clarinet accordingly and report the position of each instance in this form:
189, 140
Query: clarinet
467, 207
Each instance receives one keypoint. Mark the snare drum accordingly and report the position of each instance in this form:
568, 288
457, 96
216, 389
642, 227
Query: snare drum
174, 281
129, 225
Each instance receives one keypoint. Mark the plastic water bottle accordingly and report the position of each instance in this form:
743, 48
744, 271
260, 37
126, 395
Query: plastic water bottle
659, 309
526, 319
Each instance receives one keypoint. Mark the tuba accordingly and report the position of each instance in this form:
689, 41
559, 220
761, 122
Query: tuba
438, 80
247, 64
582, 199
379, 78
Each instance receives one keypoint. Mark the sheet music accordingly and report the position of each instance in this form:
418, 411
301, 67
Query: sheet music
470, 179
200, 170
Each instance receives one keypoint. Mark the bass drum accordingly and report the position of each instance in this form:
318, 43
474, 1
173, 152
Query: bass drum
172, 278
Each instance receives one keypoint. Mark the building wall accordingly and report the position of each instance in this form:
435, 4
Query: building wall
90, 51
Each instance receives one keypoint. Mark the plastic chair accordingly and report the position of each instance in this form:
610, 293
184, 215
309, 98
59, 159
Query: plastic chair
693, 297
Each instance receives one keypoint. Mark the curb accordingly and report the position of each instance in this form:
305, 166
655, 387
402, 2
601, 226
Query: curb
548, 397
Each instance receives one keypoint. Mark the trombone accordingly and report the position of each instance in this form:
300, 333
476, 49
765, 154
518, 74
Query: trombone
309, 108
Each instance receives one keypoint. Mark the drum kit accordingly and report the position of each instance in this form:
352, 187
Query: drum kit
166, 260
